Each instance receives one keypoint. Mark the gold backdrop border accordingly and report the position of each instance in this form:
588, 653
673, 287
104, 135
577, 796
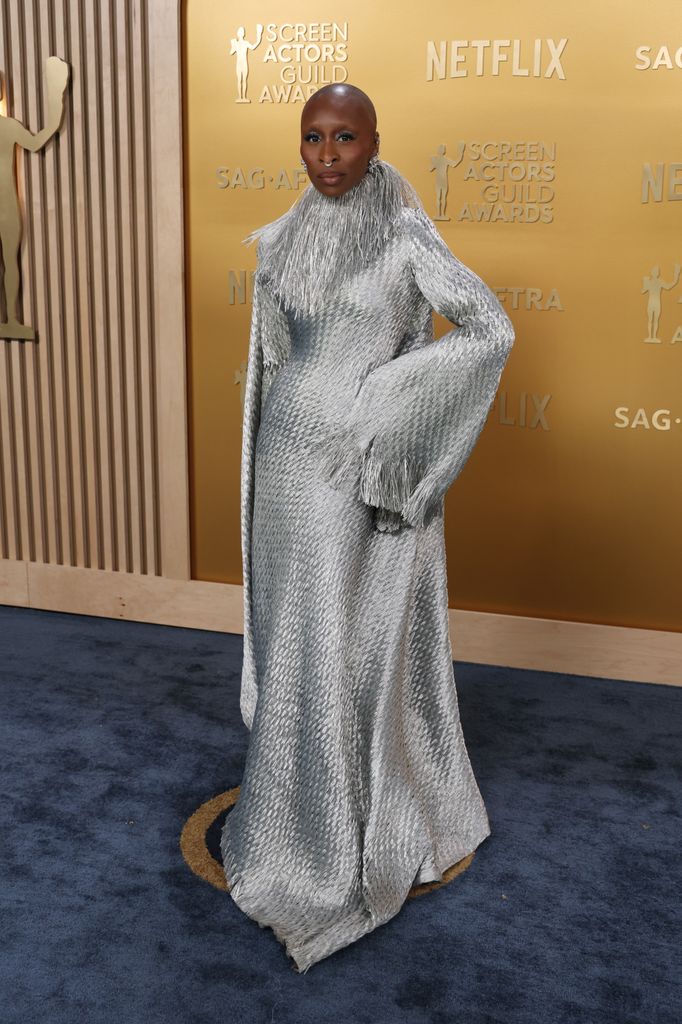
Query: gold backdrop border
198, 859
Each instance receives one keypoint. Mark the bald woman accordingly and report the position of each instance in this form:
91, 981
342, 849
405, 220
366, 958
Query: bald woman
357, 783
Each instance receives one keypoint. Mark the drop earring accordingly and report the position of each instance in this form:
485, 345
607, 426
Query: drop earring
304, 164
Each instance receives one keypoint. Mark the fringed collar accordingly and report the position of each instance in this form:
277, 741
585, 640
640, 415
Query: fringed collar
321, 240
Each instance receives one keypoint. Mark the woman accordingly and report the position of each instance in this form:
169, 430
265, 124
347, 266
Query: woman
357, 783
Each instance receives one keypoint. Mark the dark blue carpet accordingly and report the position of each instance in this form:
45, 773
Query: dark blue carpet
112, 733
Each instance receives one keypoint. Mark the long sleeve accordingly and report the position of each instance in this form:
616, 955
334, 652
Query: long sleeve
250, 423
269, 347
417, 417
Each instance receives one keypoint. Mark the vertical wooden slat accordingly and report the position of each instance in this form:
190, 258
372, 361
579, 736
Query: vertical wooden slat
165, 133
65, 272
35, 476
36, 527
34, 535
8, 496
54, 322
129, 334
145, 298
98, 280
78, 137
7, 517
111, 241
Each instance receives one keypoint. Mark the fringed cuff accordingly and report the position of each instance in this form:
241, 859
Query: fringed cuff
340, 460
419, 504
394, 485
388, 482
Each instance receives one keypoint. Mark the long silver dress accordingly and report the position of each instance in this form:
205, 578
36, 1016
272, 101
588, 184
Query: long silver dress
357, 783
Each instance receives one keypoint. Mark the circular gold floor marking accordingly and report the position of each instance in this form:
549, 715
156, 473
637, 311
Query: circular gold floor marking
202, 863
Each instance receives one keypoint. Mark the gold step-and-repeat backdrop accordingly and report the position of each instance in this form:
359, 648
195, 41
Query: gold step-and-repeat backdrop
545, 143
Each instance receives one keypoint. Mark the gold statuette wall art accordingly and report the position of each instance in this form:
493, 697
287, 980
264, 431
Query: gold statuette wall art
12, 134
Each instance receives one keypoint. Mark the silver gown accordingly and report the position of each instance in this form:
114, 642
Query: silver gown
357, 783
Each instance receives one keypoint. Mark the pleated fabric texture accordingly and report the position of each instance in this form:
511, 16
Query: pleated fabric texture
357, 783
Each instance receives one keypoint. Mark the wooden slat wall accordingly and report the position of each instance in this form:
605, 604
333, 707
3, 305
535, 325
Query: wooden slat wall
94, 498
85, 411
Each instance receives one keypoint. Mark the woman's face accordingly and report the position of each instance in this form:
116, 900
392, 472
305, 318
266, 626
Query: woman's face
336, 131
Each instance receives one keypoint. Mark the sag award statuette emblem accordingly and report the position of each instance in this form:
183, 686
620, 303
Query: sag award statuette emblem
241, 47
12, 134
441, 164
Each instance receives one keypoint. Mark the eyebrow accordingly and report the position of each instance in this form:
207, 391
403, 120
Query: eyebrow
339, 128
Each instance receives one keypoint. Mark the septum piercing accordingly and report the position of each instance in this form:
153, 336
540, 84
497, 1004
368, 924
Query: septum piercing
375, 158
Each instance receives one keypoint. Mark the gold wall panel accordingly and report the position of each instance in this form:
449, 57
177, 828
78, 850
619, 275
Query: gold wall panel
546, 134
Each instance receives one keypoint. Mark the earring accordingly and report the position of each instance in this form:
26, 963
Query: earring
373, 161
304, 164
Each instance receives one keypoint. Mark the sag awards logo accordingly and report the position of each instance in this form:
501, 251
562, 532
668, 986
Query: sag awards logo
12, 134
645, 419
653, 286
514, 181
661, 420
655, 58
296, 59
257, 178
